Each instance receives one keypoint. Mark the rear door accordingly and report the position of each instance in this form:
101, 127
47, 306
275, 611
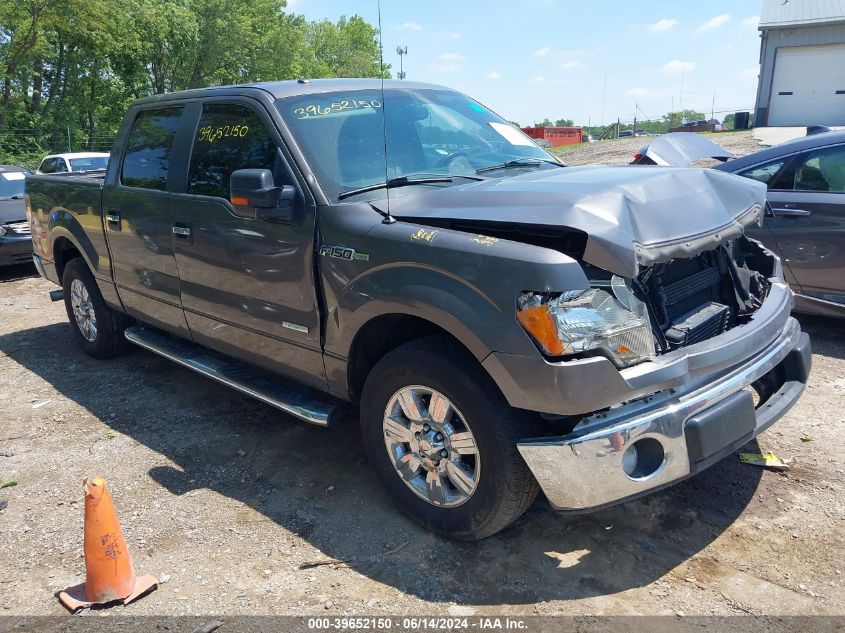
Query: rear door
809, 222
136, 210
247, 285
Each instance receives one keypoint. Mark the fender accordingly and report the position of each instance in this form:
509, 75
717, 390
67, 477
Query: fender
464, 283
64, 224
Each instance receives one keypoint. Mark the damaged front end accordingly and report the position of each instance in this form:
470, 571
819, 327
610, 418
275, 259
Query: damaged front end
667, 306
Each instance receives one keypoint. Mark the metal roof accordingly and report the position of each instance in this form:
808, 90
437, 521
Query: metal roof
797, 13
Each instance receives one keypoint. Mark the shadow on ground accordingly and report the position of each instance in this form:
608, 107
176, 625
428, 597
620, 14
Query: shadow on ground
825, 334
17, 272
288, 468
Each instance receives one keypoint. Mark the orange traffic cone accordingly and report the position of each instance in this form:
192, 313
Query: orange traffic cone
109, 573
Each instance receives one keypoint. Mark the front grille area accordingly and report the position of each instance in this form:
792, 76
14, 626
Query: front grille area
686, 298
20, 228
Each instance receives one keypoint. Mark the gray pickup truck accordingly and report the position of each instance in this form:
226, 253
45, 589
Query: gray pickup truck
505, 324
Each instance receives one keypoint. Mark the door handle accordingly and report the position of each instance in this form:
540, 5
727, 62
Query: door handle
181, 231
791, 213
113, 216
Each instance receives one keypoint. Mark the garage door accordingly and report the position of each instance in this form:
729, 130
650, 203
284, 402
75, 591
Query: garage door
809, 86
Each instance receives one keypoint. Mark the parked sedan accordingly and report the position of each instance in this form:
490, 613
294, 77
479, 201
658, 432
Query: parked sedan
15, 242
806, 181
806, 218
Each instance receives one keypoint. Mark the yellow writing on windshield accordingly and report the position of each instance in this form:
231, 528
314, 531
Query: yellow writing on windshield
338, 106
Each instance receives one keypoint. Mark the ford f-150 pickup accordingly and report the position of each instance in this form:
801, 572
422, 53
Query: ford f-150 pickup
505, 324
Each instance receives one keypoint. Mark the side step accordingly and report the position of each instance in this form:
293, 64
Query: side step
301, 403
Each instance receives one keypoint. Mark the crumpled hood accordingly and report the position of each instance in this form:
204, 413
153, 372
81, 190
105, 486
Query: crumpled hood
633, 215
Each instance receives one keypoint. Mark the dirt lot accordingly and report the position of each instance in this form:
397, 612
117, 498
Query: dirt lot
226, 499
621, 151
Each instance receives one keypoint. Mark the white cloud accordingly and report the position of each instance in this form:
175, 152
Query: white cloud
715, 23
753, 21
538, 79
676, 67
412, 26
449, 35
449, 62
662, 25
638, 92
542, 52
749, 73
572, 64
494, 74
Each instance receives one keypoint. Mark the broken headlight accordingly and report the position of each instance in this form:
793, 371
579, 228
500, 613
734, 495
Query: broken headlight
614, 324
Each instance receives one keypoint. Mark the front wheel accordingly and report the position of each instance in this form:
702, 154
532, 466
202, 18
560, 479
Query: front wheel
443, 440
97, 328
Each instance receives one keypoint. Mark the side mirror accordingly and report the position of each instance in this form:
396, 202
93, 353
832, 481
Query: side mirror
254, 195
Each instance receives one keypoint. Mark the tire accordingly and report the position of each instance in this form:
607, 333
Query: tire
105, 339
502, 485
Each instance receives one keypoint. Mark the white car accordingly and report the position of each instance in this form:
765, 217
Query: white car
77, 161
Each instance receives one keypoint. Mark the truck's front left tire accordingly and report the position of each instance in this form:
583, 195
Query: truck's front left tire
96, 327
443, 440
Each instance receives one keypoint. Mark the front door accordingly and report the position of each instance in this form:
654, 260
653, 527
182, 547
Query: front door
247, 285
136, 211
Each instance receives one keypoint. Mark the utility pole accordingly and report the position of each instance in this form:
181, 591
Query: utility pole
636, 107
401, 51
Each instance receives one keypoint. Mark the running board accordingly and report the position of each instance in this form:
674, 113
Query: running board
301, 403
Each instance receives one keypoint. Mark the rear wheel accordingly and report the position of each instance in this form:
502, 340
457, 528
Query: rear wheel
443, 440
97, 328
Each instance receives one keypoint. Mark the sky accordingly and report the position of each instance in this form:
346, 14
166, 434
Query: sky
587, 61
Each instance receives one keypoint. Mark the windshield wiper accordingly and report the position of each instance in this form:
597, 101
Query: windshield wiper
519, 162
399, 181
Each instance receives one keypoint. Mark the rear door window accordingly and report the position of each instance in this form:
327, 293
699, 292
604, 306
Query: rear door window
148, 148
230, 136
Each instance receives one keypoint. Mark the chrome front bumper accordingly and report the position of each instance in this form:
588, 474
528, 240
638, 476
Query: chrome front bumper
696, 425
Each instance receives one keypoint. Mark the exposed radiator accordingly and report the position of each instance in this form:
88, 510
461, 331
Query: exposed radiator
685, 295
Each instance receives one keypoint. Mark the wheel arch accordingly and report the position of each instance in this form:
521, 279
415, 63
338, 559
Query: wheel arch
384, 333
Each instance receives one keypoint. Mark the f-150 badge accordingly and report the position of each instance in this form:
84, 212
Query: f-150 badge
343, 252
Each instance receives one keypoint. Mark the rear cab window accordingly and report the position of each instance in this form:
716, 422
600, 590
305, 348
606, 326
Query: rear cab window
146, 160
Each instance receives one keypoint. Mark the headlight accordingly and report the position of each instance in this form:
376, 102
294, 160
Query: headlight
2, 231
614, 325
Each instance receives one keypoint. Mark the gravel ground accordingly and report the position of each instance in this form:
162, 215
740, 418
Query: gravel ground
231, 503
621, 151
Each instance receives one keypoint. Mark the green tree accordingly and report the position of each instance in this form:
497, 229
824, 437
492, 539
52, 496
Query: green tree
70, 67
675, 119
564, 123
347, 48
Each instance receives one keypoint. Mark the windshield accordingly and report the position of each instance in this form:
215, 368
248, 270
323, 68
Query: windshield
11, 184
429, 132
90, 163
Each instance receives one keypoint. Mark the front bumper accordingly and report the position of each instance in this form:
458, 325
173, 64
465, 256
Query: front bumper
695, 426
579, 387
